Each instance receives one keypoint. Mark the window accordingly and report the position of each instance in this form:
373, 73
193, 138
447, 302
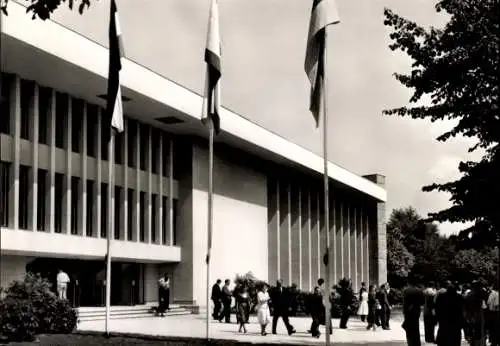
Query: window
91, 130
155, 144
90, 208
164, 219
174, 223
61, 117
130, 213
166, 155
4, 193
24, 188
142, 216
76, 125
58, 192
27, 91
104, 210
44, 109
118, 208
153, 218
42, 193
75, 181
144, 136
7, 81
119, 148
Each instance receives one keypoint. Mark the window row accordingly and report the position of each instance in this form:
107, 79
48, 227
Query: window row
77, 198
143, 139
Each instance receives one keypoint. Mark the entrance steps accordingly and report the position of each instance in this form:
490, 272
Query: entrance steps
133, 311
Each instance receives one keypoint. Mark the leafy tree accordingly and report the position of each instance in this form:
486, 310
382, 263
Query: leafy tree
44, 8
458, 68
472, 264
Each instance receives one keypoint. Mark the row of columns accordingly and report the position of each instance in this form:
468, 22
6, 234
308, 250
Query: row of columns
48, 157
297, 237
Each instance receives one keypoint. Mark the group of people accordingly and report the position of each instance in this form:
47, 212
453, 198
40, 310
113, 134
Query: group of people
375, 306
452, 308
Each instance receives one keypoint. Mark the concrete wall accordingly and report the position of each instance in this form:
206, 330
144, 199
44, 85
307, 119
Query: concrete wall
239, 242
12, 268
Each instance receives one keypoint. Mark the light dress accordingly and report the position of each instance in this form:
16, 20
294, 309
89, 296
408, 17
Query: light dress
263, 313
363, 305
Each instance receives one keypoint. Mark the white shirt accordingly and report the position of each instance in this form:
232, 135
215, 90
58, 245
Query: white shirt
62, 278
493, 301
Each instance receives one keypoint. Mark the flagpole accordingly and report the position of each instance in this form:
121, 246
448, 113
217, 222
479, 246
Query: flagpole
328, 304
210, 214
110, 228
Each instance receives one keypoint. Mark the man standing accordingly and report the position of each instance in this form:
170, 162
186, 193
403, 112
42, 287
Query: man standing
413, 299
281, 303
449, 315
493, 316
384, 306
62, 284
390, 299
318, 311
429, 313
227, 297
216, 298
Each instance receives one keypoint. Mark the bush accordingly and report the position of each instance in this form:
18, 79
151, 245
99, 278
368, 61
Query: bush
30, 307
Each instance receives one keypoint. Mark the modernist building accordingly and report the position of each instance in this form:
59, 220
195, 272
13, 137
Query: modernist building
55, 194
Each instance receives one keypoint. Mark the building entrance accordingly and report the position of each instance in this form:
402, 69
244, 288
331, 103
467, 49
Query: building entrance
88, 280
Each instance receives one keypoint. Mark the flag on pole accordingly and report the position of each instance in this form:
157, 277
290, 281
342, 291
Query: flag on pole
114, 109
323, 13
211, 100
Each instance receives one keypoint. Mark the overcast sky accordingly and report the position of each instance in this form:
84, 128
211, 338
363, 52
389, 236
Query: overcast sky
263, 79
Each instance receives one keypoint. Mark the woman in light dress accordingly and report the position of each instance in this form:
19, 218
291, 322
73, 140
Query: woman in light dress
363, 302
263, 313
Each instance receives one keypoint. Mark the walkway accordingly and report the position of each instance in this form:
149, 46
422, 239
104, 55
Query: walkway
194, 326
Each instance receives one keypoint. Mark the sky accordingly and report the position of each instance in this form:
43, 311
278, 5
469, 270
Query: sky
263, 47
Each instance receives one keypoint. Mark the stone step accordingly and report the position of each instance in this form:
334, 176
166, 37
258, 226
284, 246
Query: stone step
121, 312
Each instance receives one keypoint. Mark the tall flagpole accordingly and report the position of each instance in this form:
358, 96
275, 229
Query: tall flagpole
210, 214
328, 304
110, 231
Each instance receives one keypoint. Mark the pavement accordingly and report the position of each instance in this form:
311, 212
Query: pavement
195, 326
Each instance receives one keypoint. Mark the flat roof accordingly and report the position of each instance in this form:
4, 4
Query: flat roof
54, 39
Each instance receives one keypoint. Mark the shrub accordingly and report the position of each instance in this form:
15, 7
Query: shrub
30, 307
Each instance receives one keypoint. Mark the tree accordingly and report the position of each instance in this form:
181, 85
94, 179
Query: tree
458, 67
44, 8
472, 264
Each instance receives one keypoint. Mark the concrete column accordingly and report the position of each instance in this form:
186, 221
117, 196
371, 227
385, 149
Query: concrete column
338, 239
295, 236
354, 245
33, 195
51, 176
66, 202
159, 202
82, 185
278, 223
309, 237
273, 229
149, 169
137, 190
318, 234
300, 250
366, 248
171, 193
97, 183
322, 233
380, 246
333, 242
284, 234
361, 242
124, 196
289, 237
15, 125
305, 245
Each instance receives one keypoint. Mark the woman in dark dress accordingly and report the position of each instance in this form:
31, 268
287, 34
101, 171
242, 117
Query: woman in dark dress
242, 307
372, 308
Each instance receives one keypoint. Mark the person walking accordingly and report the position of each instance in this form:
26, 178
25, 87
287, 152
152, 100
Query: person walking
216, 298
227, 298
372, 308
281, 304
384, 307
390, 300
62, 284
346, 298
242, 298
449, 316
429, 313
363, 302
493, 316
163, 295
413, 299
474, 311
263, 313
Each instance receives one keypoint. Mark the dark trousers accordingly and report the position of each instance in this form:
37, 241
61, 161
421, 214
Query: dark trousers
387, 317
226, 311
217, 308
493, 321
344, 317
429, 328
316, 321
286, 321
412, 330
383, 318
164, 300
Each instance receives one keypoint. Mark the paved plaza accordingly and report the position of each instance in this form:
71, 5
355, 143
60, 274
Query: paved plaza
194, 326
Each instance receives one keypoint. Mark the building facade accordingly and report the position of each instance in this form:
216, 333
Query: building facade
56, 206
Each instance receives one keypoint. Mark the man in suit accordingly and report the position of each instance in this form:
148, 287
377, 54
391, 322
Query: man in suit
216, 298
227, 297
413, 299
390, 300
385, 306
280, 299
